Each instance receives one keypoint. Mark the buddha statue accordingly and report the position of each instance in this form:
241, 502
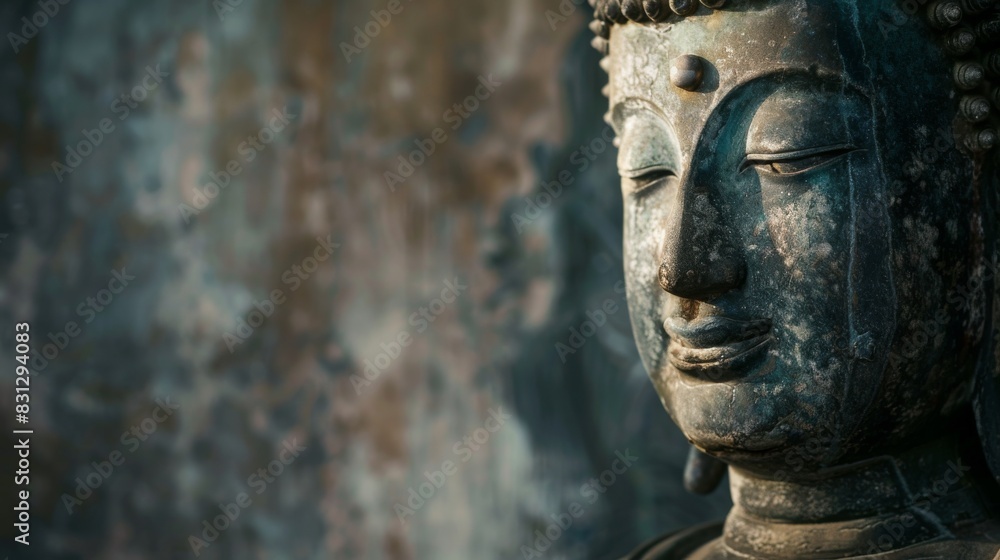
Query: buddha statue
810, 192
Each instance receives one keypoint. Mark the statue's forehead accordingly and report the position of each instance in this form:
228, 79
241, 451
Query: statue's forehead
735, 48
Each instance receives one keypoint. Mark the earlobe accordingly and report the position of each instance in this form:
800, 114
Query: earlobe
703, 473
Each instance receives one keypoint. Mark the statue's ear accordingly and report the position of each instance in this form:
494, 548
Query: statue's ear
703, 473
986, 398
986, 401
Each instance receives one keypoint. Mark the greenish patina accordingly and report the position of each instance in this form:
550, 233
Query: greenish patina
810, 249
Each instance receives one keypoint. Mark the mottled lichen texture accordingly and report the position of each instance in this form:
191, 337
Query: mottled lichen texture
205, 259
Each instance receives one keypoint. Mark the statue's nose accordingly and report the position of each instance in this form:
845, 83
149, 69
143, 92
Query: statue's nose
698, 258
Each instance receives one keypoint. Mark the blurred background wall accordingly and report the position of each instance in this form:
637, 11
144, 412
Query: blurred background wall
241, 297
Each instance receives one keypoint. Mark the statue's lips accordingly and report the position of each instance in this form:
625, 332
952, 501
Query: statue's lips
716, 348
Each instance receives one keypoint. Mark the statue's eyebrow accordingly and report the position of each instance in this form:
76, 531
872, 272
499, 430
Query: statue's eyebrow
616, 115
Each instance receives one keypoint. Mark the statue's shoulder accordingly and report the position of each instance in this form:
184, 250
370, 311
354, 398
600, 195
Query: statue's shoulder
678, 545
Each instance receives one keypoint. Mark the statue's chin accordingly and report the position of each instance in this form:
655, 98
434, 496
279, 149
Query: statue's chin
770, 459
761, 426
755, 449
766, 449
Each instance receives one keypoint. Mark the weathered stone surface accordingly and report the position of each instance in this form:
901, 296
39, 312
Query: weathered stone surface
810, 241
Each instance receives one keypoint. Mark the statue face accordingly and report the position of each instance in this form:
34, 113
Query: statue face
803, 246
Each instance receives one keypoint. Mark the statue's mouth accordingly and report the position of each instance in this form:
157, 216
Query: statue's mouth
717, 348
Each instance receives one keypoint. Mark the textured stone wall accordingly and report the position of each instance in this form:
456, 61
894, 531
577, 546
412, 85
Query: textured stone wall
220, 331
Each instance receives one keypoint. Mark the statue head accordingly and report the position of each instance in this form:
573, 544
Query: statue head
810, 191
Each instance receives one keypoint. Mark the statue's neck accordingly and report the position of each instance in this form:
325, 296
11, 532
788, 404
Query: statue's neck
881, 504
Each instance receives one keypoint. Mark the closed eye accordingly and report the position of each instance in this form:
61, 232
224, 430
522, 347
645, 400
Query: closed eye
645, 178
795, 162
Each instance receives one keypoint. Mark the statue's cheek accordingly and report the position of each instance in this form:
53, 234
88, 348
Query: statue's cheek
807, 218
645, 228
